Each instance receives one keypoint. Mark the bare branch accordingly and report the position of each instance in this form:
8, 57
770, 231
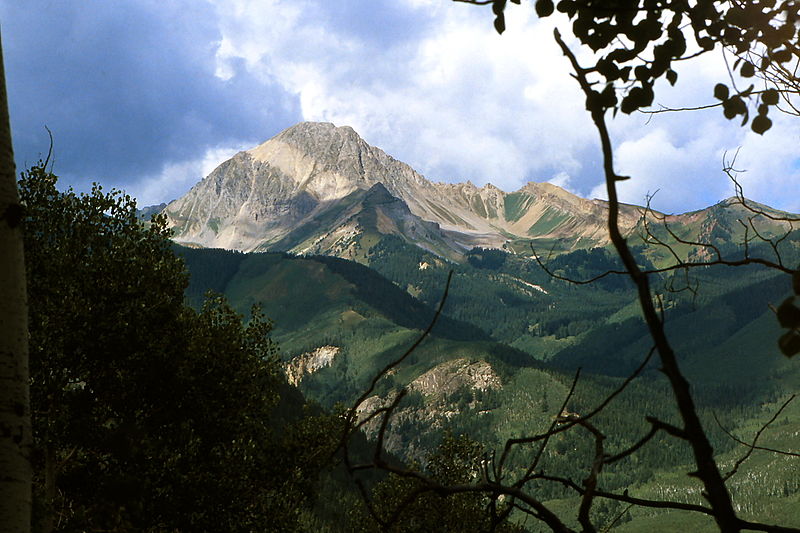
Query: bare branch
665, 109
678, 266
590, 483
752, 446
489, 487
385, 423
617, 519
655, 426
555, 428
49, 150
689, 430
707, 470
625, 497
732, 173
755, 526
409, 351
550, 433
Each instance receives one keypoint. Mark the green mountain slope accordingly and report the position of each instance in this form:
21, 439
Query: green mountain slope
325, 301
502, 359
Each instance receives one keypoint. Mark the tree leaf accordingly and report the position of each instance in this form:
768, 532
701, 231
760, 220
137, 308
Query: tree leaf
672, 77
707, 43
789, 343
721, 91
770, 97
544, 8
761, 124
500, 23
789, 314
782, 56
609, 96
567, 6
637, 97
498, 6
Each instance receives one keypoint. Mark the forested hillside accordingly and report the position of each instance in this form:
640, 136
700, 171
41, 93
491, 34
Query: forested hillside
502, 359
369, 349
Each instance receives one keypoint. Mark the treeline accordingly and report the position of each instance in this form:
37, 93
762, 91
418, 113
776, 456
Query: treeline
508, 296
152, 415
149, 415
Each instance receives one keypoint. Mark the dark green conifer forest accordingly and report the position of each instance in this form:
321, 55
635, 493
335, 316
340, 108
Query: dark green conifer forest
150, 415
628, 388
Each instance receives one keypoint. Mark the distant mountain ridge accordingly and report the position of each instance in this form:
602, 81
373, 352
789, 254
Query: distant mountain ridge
317, 188
502, 356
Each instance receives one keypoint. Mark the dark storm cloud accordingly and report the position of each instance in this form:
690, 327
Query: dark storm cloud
127, 87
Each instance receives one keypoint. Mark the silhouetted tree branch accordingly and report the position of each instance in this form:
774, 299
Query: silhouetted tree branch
752, 446
601, 28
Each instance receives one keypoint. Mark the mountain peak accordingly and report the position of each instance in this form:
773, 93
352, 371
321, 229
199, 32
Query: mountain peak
309, 128
308, 187
311, 137
318, 154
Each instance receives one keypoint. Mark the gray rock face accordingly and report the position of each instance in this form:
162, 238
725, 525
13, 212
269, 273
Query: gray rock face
303, 191
319, 189
309, 363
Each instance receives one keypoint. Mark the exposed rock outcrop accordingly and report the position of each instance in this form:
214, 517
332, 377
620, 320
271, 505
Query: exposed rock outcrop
300, 190
437, 387
447, 378
302, 184
309, 362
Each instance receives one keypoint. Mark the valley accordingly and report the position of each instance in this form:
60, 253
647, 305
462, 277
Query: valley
349, 250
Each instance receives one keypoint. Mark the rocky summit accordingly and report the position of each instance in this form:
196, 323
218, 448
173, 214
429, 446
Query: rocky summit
320, 189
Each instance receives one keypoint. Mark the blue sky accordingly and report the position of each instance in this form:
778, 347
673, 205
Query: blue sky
150, 96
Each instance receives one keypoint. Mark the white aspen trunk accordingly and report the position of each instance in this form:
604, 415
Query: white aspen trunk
15, 419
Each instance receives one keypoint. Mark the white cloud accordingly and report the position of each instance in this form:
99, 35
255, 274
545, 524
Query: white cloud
429, 81
563, 180
678, 171
771, 164
175, 179
680, 154
459, 102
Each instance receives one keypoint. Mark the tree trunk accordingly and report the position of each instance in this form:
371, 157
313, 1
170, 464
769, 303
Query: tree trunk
15, 419
48, 520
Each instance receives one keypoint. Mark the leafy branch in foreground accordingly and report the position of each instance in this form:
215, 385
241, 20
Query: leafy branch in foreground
692, 431
147, 414
635, 43
639, 27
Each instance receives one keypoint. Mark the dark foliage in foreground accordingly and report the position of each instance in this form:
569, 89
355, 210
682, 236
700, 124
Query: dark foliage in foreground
149, 415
